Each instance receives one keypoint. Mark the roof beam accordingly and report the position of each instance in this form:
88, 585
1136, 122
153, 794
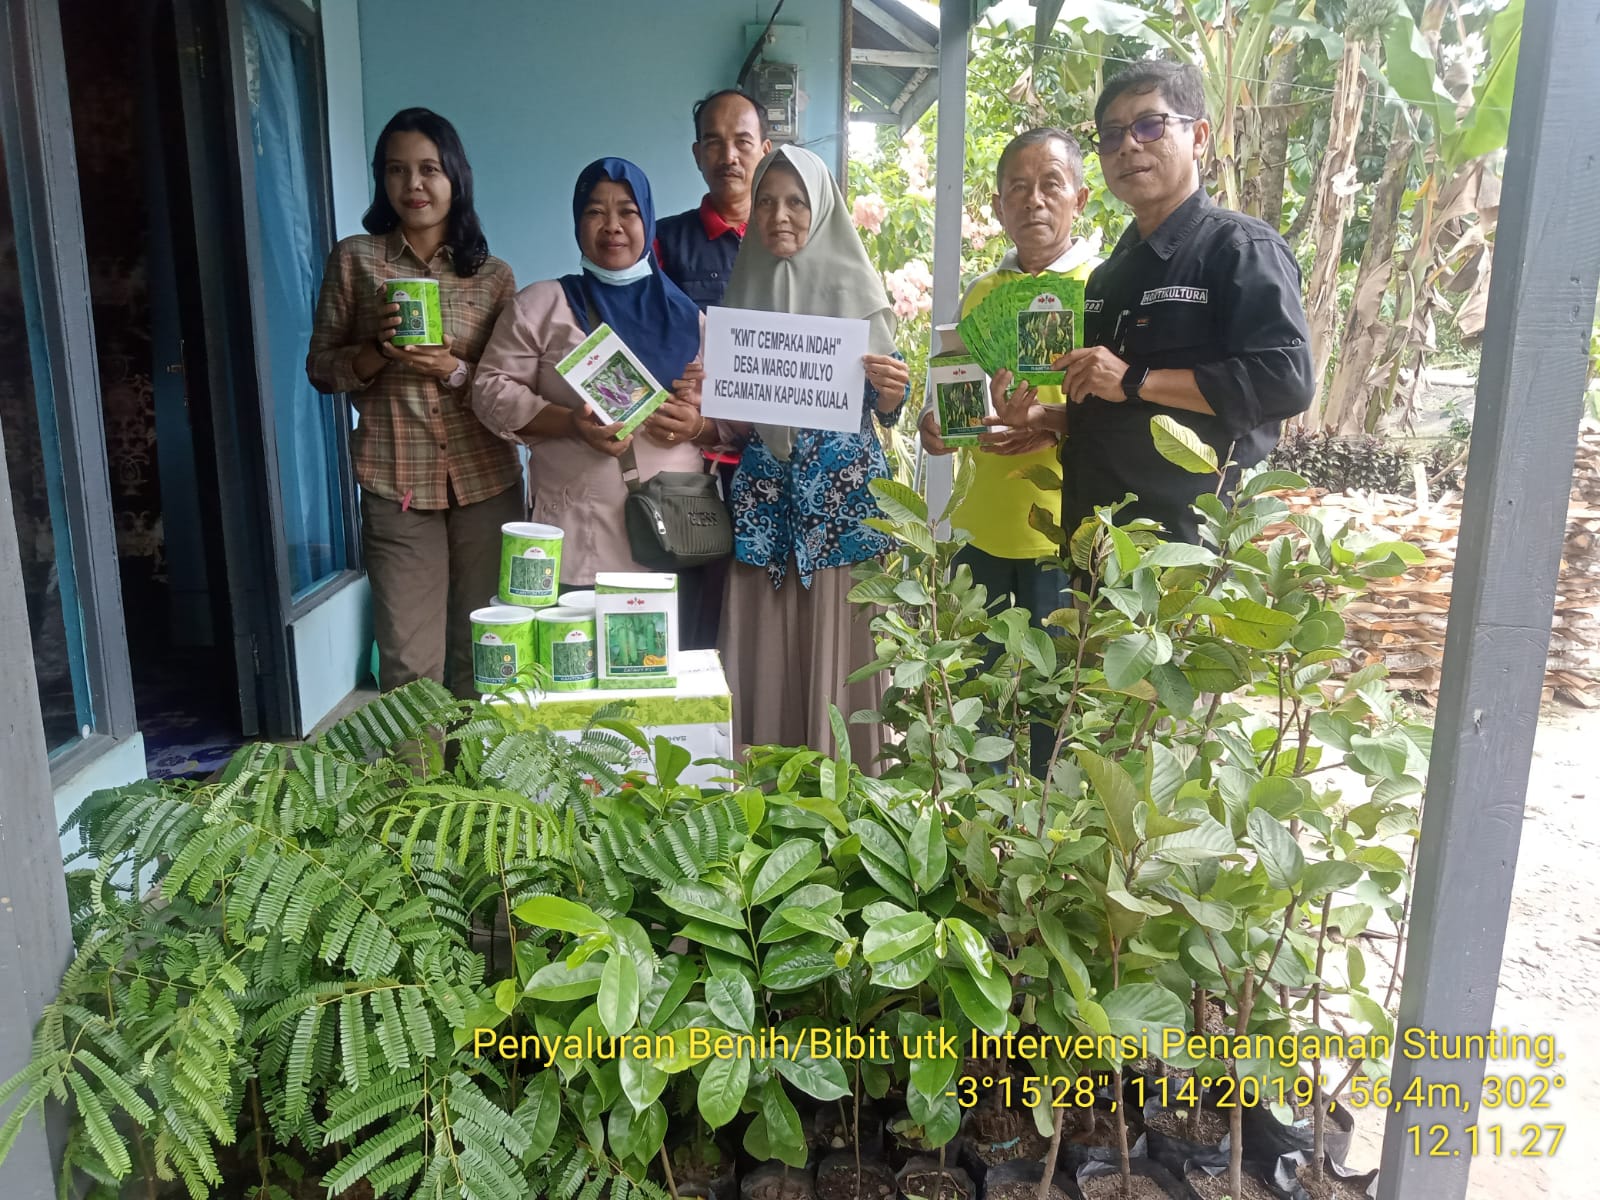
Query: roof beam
1524, 438
893, 26
894, 58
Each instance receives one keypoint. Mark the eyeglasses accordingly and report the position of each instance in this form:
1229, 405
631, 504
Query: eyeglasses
1149, 128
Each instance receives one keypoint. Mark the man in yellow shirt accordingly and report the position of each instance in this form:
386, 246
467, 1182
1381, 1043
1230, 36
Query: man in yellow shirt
1040, 181
1040, 191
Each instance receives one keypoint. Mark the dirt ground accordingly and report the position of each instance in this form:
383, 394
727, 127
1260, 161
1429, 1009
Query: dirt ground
1551, 971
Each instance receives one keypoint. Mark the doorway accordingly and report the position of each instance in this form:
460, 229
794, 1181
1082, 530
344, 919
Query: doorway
123, 68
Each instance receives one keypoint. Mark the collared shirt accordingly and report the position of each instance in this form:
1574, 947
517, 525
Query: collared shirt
418, 440
696, 250
1212, 291
715, 224
994, 511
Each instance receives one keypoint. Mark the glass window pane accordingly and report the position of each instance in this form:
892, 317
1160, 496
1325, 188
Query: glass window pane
33, 467
283, 115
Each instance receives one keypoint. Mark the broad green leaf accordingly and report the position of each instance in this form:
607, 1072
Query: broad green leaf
798, 964
1320, 630
540, 1112
1378, 858
1178, 554
991, 749
1182, 447
910, 591
978, 1006
1059, 943
731, 998
1129, 658
1408, 65
1139, 1009
822, 1078
642, 1081
1213, 914
1282, 798
1207, 840
784, 1130
558, 981
1094, 1017
928, 853
971, 945
505, 996
717, 937
1138, 904
1041, 476
1174, 689
722, 1089
618, 1000
883, 845
896, 937
939, 1116
666, 991
905, 973
1276, 850
552, 912
931, 1074
1270, 481
1330, 875
899, 503
1115, 789
1167, 772
703, 902
1039, 650
784, 868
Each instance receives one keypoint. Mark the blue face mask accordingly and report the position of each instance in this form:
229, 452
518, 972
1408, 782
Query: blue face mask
639, 270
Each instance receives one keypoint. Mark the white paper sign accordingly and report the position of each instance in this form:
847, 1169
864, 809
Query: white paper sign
784, 369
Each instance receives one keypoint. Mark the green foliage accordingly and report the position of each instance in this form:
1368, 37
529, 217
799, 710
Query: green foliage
314, 959
1179, 845
272, 967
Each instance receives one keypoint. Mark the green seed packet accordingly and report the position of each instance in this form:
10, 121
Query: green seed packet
611, 381
960, 388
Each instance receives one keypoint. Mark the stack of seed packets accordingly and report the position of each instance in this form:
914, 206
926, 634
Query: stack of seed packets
1025, 324
959, 388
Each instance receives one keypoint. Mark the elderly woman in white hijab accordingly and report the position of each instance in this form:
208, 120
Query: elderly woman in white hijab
800, 498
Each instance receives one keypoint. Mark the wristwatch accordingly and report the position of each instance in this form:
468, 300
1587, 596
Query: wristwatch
1132, 380
458, 377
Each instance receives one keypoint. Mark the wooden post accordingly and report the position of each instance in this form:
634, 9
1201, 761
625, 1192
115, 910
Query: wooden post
1530, 390
35, 939
949, 183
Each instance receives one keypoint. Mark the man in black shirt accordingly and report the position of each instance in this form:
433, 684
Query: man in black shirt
1196, 314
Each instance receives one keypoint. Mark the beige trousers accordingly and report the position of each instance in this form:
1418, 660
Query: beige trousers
429, 570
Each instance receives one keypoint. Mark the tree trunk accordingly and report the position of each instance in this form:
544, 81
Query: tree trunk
1366, 331
1333, 208
1263, 188
1236, 1114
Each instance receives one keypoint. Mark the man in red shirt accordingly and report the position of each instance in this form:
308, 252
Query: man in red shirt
696, 250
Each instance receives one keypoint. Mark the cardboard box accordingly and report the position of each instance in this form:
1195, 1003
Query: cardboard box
697, 713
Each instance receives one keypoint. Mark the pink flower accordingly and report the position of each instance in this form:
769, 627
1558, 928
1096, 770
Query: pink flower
868, 212
910, 288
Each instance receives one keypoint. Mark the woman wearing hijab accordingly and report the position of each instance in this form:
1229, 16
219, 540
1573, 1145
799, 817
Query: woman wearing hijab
800, 498
575, 479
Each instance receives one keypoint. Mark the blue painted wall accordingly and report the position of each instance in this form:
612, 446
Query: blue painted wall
538, 88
